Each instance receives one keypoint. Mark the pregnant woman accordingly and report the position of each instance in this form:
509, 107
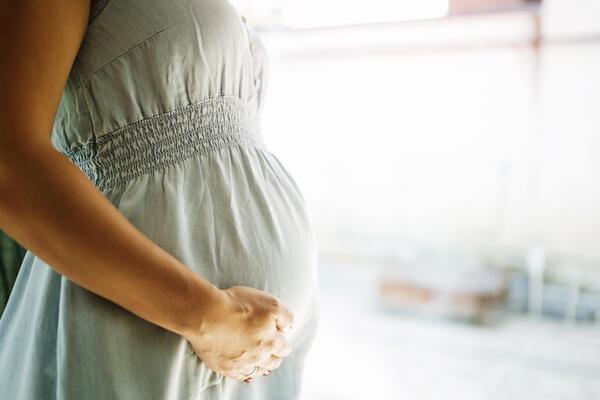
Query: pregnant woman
170, 253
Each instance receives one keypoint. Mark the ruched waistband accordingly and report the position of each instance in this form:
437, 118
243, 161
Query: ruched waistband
166, 139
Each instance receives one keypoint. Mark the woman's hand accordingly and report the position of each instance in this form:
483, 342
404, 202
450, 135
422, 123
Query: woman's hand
245, 330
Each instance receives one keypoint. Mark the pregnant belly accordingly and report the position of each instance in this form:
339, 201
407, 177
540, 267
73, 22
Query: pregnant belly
235, 216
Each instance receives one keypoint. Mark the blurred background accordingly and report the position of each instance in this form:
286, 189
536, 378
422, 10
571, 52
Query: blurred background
449, 154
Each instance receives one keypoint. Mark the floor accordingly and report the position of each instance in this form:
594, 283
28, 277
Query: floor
364, 351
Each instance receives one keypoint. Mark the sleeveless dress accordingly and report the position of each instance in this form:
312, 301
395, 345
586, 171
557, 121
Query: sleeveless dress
161, 112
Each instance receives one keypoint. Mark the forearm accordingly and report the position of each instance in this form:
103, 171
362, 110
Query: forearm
50, 207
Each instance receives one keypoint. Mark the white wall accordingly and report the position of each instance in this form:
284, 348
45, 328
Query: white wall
445, 132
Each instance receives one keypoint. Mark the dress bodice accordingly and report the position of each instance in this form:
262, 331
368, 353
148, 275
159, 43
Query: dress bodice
175, 54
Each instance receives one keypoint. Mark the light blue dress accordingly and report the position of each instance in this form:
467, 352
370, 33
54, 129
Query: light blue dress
161, 112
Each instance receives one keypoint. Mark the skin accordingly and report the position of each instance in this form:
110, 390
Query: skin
50, 207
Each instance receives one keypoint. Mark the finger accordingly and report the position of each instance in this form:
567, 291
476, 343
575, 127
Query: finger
271, 363
264, 371
246, 375
282, 347
284, 320
238, 376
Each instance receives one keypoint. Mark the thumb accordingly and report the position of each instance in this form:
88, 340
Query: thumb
284, 320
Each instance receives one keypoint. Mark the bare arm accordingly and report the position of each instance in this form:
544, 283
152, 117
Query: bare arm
50, 207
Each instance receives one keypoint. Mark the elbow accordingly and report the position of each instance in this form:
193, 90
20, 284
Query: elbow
19, 168
10, 177
17, 160
11, 209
